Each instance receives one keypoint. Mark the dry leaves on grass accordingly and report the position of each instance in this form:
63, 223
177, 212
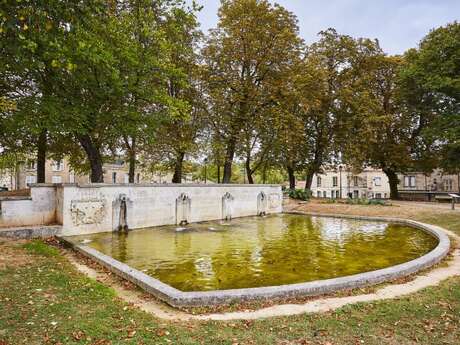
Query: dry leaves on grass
101, 342
12, 256
78, 335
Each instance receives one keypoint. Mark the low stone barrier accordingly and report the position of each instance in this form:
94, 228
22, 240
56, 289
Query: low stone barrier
38, 209
177, 298
27, 232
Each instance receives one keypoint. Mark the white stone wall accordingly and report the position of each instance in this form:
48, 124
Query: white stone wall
38, 209
95, 208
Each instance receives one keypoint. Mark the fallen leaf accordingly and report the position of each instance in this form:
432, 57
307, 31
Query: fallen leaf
78, 335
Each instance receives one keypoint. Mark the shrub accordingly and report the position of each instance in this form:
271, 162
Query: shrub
367, 202
299, 194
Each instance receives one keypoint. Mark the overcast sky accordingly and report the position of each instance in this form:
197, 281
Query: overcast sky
398, 24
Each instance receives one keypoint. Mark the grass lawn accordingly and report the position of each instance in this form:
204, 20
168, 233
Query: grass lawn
44, 300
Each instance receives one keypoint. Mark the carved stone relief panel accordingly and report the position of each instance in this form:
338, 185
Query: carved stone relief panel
87, 211
274, 200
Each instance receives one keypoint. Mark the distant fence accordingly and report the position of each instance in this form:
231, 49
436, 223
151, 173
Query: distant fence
416, 195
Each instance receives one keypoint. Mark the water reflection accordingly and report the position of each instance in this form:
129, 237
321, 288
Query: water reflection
255, 251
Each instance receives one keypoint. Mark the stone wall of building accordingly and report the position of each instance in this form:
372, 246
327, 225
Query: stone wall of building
370, 183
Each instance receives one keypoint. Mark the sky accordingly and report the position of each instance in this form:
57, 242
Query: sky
397, 24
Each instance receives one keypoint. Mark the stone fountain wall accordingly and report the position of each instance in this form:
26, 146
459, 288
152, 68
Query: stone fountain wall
40, 208
95, 208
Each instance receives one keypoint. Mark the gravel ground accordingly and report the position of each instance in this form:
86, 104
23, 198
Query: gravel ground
402, 209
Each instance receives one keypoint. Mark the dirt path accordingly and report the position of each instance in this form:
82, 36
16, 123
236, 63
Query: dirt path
402, 209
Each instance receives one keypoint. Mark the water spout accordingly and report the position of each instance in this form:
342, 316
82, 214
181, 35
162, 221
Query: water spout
262, 204
122, 221
183, 209
120, 213
227, 206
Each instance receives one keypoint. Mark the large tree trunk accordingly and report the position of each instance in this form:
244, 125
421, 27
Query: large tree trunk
177, 177
94, 158
249, 172
132, 161
309, 180
291, 175
229, 161
393, 181
218, 173
41, 156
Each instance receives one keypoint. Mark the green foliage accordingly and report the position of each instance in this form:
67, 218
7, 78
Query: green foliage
37, 247
247, 59
432, 80
129, 78
300, 194
98, 84
372, 202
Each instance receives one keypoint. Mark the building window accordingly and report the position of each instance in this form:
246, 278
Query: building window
31, 179
448, 185
337, 193
56, 179
378, 195
324, 194
114, 177
126, 178
58, 165
318, 181
409, 181
377, 181
31, 165
138, 178
319, 194
355, 181
334, 181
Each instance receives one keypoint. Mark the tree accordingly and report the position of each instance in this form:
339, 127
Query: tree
245, 57
324, 88
401, 104
431, 84
179, 135
32, 38
160, 37
385, 130
117, 89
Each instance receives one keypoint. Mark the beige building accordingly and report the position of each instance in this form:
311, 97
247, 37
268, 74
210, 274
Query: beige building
373, 183
420, 186
6, 179
344, 183
61, 172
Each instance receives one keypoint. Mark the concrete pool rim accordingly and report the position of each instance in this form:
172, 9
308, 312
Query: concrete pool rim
177, 298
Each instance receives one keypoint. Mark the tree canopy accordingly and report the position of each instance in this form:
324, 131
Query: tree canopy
92, 80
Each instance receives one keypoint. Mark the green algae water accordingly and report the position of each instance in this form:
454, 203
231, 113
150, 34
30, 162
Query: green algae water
255, 251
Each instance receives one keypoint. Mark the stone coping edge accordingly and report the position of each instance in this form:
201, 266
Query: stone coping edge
162, 185
178, 298
27, 232
14, 198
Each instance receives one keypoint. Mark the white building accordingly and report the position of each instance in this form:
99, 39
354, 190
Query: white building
7, 179
344, 183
